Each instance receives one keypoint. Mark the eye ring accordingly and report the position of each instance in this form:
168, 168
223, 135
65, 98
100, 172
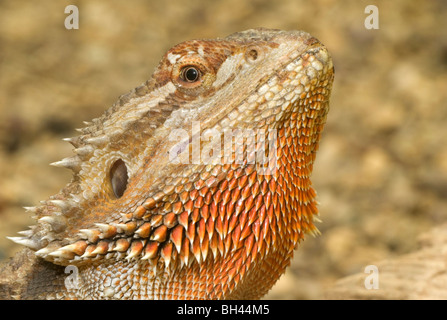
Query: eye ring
190, 74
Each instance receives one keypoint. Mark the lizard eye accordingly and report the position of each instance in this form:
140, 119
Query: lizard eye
118, 178
190, 74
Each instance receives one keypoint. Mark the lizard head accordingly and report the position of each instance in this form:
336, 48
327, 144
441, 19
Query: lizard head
145, 185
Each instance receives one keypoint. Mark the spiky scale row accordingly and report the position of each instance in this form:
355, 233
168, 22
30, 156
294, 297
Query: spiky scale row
73, 163
237, 227
25, 241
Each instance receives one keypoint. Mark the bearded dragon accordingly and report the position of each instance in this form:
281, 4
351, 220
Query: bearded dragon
194, 185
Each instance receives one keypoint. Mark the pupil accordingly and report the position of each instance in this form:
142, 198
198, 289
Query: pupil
191, 74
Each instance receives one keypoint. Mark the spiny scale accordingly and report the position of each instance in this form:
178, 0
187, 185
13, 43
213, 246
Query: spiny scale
225, 229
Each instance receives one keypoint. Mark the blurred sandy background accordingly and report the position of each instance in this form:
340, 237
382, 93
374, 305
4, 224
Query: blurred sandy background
381, 173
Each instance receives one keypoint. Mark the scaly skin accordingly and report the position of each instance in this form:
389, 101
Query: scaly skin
158, 208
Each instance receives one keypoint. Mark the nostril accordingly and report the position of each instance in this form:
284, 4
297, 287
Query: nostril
118, 178
252, 54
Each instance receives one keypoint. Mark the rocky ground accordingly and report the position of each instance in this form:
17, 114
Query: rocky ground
381, 172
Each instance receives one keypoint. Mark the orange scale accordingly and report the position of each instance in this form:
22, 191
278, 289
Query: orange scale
177, 207
213, 210
201, 229
199, 184
183, 219
159, 234
235, 194
176, 237
208, 196
198, 203
184, 196
242, 181
184, 252
193, 194
217, 196
170, 219
195, 215
232, 184
232, 223
226, 196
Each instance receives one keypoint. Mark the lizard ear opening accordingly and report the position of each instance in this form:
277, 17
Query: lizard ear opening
118, 178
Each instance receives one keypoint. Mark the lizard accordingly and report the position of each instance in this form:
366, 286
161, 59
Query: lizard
157, 208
